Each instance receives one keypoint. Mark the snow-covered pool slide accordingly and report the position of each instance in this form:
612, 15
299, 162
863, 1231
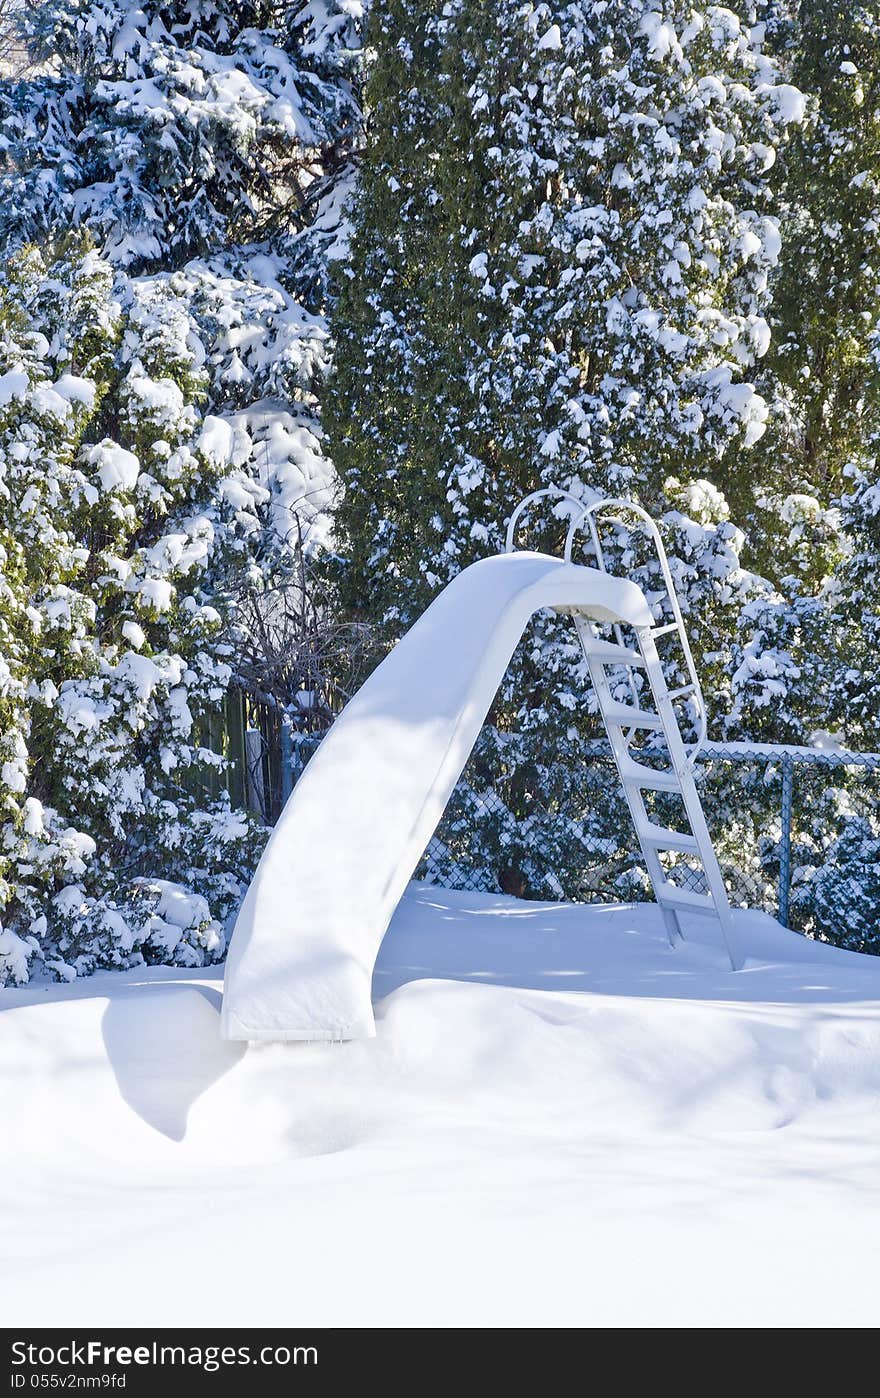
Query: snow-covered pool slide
301, 959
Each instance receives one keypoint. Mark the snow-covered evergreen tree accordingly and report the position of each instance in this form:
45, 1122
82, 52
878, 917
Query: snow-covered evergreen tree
808, 506
175, 129
208, 144
855, 696
206, 148
559, 275
116, 551
826, 293
562, 246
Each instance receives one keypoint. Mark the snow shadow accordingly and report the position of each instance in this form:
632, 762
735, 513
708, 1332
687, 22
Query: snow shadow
164, 1046
609, 949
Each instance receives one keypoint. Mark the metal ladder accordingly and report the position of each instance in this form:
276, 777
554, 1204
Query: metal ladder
625, 721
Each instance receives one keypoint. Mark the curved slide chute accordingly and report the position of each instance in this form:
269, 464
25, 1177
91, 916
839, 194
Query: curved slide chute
301, 959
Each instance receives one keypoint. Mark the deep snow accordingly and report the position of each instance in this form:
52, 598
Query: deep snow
561, 1121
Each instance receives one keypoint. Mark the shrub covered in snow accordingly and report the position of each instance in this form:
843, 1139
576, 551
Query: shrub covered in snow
836, 889
826, 294
208, 148
115, 634
810, 507
174, 128
162, 456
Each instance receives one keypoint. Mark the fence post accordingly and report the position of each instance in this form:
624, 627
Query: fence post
286, 761
785, 842
256, 787
236, 775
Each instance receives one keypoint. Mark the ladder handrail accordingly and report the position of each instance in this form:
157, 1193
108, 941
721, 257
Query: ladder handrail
622, 721
636, 779
538, 495
588, 515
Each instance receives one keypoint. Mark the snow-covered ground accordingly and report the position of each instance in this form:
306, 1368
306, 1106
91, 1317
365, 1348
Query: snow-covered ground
561, 1122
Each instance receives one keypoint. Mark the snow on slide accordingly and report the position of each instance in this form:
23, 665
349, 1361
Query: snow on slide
301, 958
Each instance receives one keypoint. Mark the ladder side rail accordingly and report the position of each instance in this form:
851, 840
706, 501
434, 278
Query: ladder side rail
669, 896
690, 666
589, 515
634, 777
683, 766
619, 749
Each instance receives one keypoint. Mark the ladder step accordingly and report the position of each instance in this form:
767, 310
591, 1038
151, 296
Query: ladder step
666, 630
660, 838
680, 693
670, 895
626, 716
610, 654
646, 778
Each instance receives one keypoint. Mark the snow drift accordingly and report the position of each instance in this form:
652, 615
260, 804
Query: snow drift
560, 1122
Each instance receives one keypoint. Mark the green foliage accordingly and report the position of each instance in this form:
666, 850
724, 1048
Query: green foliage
558, 268
826, 295
173, 130
161, 453
558, 275
115, 629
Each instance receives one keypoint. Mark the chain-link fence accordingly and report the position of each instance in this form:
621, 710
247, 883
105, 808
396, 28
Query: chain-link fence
796, 830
